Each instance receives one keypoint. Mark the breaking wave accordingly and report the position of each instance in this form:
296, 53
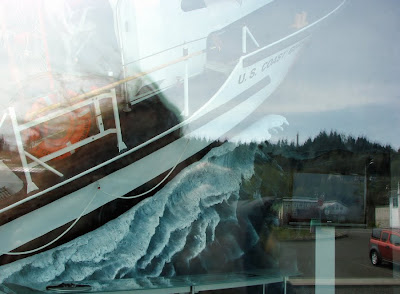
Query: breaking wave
182, 229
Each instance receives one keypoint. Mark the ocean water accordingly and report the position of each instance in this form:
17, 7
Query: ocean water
196, 224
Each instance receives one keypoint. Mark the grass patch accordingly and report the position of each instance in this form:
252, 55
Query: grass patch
287, 234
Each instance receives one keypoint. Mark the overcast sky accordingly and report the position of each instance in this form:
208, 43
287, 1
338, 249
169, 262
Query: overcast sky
347, 78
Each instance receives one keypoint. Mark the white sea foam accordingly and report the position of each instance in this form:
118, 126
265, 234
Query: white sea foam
261, 130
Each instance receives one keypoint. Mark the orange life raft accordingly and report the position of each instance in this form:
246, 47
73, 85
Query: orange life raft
57, 133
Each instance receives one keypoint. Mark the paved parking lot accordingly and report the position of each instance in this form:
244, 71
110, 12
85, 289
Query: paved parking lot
353, 270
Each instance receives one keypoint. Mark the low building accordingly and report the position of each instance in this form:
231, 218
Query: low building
394, 208
382, 216
305, 209
298, 209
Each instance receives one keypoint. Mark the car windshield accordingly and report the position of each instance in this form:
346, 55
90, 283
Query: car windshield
189, 146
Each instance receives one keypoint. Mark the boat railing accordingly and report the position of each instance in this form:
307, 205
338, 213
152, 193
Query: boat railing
186, 56
93, 98
58, 109
24, 154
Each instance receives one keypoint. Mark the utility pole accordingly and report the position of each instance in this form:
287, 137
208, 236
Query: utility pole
369, 162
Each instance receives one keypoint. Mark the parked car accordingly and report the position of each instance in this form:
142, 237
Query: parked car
384, 245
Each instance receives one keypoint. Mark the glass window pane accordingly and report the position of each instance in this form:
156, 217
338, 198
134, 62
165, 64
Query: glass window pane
186, 146
395, 239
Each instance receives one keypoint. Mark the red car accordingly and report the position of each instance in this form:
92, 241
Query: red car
384, 245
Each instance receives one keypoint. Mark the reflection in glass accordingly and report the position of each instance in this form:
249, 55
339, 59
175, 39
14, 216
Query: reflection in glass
136, 144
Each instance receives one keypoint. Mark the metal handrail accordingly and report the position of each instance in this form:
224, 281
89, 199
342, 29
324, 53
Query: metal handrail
117, 83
